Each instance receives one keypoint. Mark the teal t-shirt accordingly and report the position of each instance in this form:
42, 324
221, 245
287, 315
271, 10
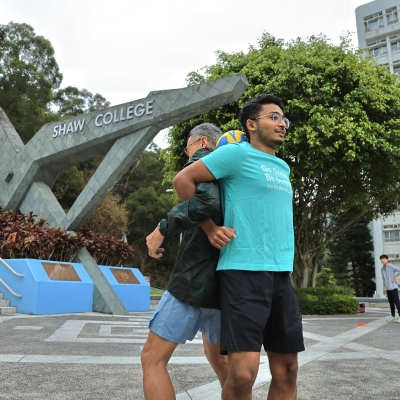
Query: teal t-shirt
256, 197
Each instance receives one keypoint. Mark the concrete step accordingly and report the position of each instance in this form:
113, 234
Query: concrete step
8, 310
1, 296
4, 303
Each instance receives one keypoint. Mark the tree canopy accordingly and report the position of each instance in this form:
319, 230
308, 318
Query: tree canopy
71, 101
30, 82
28, 75
343, 146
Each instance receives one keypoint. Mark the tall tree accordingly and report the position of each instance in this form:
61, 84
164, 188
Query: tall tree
147, 203
28, 74
68, 102
326, 278
30, 81
71, 101
146, 208
111, 217
344, 136
146, 171
351, 260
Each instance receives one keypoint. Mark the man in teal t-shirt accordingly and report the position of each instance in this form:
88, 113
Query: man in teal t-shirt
257, 201
258, 303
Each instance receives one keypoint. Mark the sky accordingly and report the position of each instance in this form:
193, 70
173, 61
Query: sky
123, 49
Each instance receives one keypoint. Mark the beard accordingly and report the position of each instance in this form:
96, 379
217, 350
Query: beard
267, 141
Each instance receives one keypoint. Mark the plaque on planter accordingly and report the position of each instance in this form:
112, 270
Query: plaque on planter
60, 272
124, 276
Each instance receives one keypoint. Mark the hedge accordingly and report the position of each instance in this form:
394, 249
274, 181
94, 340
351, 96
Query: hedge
326, 301
326, 291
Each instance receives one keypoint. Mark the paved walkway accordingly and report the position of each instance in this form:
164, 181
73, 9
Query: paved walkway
96, 356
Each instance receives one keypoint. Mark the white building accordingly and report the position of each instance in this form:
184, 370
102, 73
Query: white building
378, 29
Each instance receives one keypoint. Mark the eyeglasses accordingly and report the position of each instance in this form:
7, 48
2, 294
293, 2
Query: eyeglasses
276, 118
186, 148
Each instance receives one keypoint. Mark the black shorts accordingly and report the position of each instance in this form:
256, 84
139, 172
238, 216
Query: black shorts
259, 308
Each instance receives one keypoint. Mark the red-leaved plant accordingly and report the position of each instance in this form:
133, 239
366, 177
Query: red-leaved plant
24, 236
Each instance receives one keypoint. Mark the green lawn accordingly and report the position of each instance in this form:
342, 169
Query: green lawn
156, 291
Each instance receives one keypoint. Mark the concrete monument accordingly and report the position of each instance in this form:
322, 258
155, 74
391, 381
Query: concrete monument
28, 172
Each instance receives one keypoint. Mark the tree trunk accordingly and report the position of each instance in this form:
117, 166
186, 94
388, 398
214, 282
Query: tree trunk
314, 262
300, 271
355, 278
314, 275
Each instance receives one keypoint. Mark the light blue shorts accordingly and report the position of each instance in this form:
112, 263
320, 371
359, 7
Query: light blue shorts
177, 322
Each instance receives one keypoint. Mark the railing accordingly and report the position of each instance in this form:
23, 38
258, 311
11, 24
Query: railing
6, 265
13, 272
9, 289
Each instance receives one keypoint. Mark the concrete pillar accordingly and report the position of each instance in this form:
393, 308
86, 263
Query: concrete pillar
378, 250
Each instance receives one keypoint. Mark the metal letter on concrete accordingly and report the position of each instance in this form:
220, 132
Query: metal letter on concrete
28, 172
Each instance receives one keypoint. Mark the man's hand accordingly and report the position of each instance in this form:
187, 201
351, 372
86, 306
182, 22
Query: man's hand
395, 279
219, 236
153, 242
384, 291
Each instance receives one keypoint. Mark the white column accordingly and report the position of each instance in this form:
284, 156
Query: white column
378, 250
390, 58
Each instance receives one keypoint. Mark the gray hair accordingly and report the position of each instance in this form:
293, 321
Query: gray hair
210, 131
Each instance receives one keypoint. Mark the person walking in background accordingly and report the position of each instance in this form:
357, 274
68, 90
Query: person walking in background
390, 286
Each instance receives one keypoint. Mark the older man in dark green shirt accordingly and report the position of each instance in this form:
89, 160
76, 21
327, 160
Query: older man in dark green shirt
191, 302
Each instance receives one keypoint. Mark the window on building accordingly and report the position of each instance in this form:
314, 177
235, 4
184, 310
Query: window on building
391, 15
396, 69
392, 236
395, 46
378, 51
393, 257
394, 226
379, 41
373, 22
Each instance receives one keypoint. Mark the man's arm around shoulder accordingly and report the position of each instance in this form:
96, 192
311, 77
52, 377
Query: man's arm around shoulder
185, 185
185, 181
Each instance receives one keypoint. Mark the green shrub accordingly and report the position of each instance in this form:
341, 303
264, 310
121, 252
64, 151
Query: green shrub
326, 291
346, 304
326, 303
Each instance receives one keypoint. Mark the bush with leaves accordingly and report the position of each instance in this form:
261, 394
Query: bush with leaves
321, 291
335, 304
326, 301
105, 249
326, 277
22, 236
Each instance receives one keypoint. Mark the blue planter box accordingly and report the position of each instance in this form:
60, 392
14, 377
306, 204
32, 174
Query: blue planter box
134, 296
47, 294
